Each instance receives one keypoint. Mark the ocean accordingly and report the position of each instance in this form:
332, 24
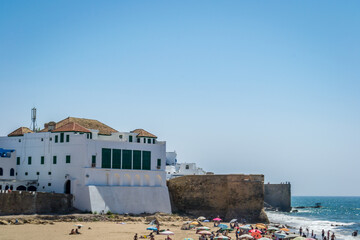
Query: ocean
340, 215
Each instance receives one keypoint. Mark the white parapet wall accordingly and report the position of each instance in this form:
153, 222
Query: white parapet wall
119, 199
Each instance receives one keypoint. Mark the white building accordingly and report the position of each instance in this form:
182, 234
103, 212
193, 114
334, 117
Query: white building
105, 170
174, 169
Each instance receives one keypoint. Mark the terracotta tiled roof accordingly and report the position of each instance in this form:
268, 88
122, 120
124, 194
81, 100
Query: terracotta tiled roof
143, 133
85, 123
20, 132
71, 127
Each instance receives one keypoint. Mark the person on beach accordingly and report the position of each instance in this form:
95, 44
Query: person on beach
323, 234
136, 236
333, 236
355, 233
72, 232
77, 231
307, 232
328, 234
300, 231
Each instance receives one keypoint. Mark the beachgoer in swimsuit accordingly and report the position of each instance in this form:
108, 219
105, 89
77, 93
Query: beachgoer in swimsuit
72, 232
136, 236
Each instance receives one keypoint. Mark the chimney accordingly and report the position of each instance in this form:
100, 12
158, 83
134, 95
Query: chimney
51, 126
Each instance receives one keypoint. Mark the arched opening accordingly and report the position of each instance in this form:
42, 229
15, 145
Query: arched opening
158, 181
7, 187
137, 180
117, 179
127, 180
31, 188
67, 187
107, 179
1, 171
147, 180
12, 172
21, 188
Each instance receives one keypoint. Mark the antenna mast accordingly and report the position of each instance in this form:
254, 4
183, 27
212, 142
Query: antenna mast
33, 119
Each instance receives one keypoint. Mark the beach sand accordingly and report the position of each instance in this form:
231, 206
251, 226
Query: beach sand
99, 231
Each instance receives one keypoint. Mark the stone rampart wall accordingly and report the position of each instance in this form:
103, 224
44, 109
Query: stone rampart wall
278, 196
228, 196
22, 202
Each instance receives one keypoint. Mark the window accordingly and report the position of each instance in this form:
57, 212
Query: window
116, 158
138, 140
136, 159
50, 139
56, 138
26, 173
19, 140
154, 141
149, 140
126, 159
61, 137
67, 138
158, 163
18, 161
12, 172
29, 160
68, 158
146, 160
120, 136
49, 173
93, 161
144, 140
54, 159
187, 167
1, 171
49, 184
106, 158
42, 139
42, 161
130, 138
38, 173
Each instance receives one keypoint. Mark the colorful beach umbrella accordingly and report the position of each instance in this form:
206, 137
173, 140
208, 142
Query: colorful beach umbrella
254, 231
245, 227
194, 223
246, 236
233, 220
272, 229
260, 225
264, 238
217, 219
201, 218
204, 233
152, 228
166, 233
203, 228
284, 229
223, 226
188, 239
221, 237
256, 235
299, 238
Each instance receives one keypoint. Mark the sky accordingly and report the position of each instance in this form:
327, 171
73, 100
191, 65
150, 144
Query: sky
255, 87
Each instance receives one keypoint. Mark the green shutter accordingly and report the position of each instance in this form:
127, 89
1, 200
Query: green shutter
29, 160
137, 159
18, 161
126, 159
146, 165
93, 159
67, 138
130, 138
54, 159
56, 138
61, 137
116, 158
106, 158
42, 160
68, 159
153, 140
159, 163
149, 140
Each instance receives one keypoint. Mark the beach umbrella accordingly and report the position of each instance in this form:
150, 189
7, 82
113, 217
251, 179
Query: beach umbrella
188, 239
217, 219
280, 234
284, 229
187, 222
221, 237
299, 238
204, 233
201, 218
264, 238
166, 233
194, 223
203, 228
206, 221
291, 236
233, 220
255, 231
227, 229
78, 225
246, 236
256, 235
245, 227
223, 226
152, 228
272, 229
260, 225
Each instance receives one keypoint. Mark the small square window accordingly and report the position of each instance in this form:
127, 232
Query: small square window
37, 173
19, 140
26, 173
49, 184
49, 173
50, 139
42, 139
120, 136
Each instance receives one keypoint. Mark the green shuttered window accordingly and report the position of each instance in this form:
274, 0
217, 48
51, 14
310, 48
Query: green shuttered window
42, 161
106, 158
126, 159
116, 159
61, 137
146, 156
68, 159
29, 160
67, 138
130, 138
137, 159
54, 159
18, 161
56, 138
159, 163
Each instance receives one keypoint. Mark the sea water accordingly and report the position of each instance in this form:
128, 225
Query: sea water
340, 215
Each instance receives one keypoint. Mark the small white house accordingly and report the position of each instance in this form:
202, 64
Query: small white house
105, 170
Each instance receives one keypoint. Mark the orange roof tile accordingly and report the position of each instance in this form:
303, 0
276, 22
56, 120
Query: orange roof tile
71, 127
20, 132
143, 133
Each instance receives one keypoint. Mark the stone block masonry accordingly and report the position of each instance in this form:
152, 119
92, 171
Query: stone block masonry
22, 202
228, 196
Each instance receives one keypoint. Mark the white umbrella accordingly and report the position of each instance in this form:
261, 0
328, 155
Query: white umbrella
246, 236
166, 233
233, 220
201, 218
78, 225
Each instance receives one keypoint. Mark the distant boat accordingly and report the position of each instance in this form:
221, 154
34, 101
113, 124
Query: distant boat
317, 205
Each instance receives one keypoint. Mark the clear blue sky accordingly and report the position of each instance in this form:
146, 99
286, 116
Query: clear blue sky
267, 87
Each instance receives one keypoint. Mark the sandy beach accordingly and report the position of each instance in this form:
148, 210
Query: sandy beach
99, 230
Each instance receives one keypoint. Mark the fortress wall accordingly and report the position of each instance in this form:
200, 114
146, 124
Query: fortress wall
278, 196
228, 196
22, 202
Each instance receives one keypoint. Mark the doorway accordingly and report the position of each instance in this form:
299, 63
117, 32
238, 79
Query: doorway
67, 187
